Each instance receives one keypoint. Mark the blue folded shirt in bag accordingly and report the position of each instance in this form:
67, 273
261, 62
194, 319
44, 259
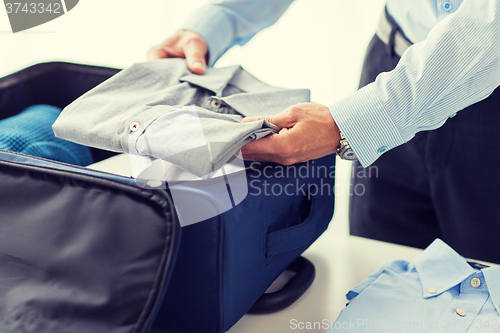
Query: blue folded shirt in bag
30, 133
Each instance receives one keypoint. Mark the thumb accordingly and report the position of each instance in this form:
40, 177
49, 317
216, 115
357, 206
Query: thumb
282, 120
195, 57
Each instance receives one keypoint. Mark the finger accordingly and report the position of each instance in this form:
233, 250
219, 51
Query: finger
282, 120
195, 57
156, 53
270, 145
253, 118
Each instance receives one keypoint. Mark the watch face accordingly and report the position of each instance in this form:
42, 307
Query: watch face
348, 154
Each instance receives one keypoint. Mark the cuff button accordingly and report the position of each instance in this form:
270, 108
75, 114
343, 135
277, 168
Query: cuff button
134, 127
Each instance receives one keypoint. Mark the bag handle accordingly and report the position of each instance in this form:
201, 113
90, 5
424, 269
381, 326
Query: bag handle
291, 291
294, 237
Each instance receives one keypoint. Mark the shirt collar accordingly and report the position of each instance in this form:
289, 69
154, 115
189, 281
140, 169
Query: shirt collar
214, 79
440, 268
492, 277
259, 99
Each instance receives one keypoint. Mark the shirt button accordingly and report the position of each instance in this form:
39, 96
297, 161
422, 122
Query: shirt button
447, 6
134, 126
460, 312
431, 290
382, 149
475, 282
215, 104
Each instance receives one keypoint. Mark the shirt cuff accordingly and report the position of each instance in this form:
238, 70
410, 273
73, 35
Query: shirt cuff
214, 26
363, 120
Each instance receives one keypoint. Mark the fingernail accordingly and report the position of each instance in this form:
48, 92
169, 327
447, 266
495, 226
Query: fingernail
197, 65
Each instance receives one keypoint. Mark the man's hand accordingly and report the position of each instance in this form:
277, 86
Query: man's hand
183, 44
307, 132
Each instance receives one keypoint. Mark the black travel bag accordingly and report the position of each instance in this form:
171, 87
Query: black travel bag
89, 251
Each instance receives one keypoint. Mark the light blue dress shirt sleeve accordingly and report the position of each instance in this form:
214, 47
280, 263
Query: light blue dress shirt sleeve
456, 66
227, 23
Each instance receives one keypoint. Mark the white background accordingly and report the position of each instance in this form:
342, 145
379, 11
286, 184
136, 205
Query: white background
317, 44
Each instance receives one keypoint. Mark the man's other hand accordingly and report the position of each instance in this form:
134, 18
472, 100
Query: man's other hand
183, 44
308, 131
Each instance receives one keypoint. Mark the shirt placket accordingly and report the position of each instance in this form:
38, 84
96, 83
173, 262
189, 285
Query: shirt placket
446, 7
216, 104
461, 315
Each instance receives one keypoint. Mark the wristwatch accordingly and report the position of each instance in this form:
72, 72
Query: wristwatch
344, 151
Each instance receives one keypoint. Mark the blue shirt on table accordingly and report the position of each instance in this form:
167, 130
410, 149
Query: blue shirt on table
437, 292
